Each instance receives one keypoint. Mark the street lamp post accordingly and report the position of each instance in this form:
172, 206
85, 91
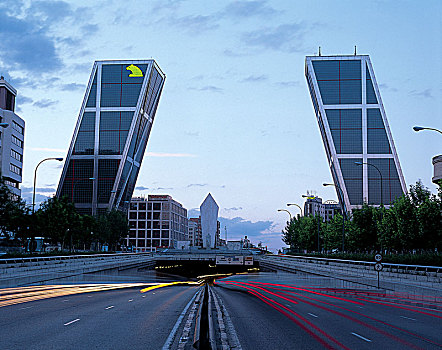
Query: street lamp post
289, 204
35, 179
343, 212
380, 174
419, 128
286, 212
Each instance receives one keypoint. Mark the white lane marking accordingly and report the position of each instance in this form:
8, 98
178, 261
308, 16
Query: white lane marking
65, 300
110, 307
67, 324
89, 296
360, 307
361, 337
143, 296
24, 308
312, 315
408, 318
130, 300
171, 336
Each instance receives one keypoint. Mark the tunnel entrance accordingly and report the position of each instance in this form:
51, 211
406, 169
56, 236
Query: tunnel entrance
193, 269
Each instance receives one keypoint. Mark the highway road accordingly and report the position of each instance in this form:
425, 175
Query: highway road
294, 314
105, 319
265, 311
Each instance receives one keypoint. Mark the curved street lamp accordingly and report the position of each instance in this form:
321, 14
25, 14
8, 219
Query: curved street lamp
289, 204
343, 211
35, 179
286, 212
419, 128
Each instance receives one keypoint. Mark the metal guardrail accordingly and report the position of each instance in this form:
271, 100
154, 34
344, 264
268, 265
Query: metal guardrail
68, 257
398, 267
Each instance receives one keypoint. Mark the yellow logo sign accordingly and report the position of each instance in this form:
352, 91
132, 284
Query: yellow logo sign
135, 71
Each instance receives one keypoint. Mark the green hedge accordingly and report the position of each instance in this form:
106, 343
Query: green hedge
429, 259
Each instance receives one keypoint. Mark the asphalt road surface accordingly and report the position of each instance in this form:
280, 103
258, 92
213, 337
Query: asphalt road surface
267, 311
291, 314
105, 319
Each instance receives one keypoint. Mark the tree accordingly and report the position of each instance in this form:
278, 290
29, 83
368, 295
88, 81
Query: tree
364, 233
58, 220
12, 212
112, 227
332, 233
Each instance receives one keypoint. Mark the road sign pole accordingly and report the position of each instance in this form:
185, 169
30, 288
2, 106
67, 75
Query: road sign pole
378, 279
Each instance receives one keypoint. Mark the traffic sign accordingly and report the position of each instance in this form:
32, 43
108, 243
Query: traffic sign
378, 267
378, 257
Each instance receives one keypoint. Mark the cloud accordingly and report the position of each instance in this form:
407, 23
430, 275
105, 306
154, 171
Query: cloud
287, 84
24, 100
197, 185
236, 53
32, 38
233, 209
192, 133
209, 88
194, 24
285, 37
24, 45
25, 189
424, 93
167, 155
255, 79
89, 29
240, 227
45, 103
72, 87
240, 9
141, 188
384, 86
46, 190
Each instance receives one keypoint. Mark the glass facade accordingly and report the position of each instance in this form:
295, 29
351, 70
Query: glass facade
353, 126
111, 135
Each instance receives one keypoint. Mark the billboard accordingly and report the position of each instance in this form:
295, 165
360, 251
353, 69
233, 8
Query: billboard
229, 260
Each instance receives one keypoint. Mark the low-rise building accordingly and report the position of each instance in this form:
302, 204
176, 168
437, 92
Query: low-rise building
158, 221
327, 210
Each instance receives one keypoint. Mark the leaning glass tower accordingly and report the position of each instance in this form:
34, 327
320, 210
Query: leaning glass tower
111, 135
354, 129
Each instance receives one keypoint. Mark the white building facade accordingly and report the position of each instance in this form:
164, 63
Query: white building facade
209, 221
158, 221
11, 140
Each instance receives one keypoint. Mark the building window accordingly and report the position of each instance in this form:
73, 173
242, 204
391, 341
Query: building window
16, 155
11, 183
15, 169
17, 141
17, 127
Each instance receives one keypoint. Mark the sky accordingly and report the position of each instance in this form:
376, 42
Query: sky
235, 118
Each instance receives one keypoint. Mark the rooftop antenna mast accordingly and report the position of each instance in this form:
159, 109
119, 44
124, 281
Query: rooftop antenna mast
319, 52
355, 50
225, 230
